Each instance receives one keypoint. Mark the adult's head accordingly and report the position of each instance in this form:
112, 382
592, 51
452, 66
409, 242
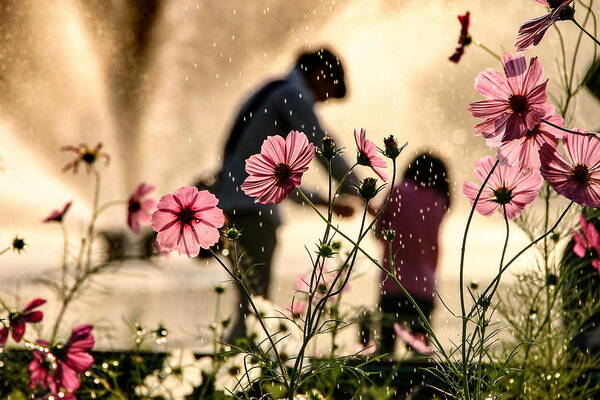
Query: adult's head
429, 171
324, 73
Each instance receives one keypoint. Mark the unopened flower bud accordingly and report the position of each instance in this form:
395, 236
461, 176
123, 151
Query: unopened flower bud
233, 233
389, 235
566, 14
368, 188
474, 284
219, 289
328, 149
336, 245
18, 244
391, 149
326, 250
484, 301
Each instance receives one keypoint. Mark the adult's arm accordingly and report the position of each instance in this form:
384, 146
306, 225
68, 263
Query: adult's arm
301, 116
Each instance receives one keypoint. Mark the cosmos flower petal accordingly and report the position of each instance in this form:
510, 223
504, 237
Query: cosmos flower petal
559, 171
368, 153
278, 169
492, 85
514, 102
191, 221
507, 185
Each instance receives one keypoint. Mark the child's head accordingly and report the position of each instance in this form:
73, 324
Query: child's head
429, 171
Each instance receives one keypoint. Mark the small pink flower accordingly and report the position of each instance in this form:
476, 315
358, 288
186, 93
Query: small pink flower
58, 367
321, 284
367, 154
507, 186
187, 220
296, 309
532, 31
464, 39
525, 151
39, 369
85, 155
17, 321
587, 242
278, 168
576, 177
58, 215
415, 343
139, 210
515, 102
360, 349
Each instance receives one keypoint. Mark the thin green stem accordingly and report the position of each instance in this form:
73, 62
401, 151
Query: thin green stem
586, 32
546, 260
83, 269
92, 225
241, 284
484, 323
65, 262
524, 249
217, 321
487, 50
422, 316
588, 134
465, 366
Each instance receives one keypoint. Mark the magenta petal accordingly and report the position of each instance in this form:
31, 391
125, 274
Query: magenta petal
186, 195
213, 216
67, 377
414, 343
142, 190
492, 85
18, 330
3, 336
293, 153
35, 316
189, 242
34, 304
80, 361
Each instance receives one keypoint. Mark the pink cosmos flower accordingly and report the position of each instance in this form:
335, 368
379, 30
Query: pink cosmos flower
507, 186
325, 281
587, 242
278, 168
58, 215
415, 343
296, 309
139, 210
525, 151
532, 31
59, 366
367, 154
17, 321
464, 39
515, 102
576, 177
187, 220
360, 349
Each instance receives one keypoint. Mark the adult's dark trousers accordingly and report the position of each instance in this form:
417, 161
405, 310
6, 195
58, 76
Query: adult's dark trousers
400, 309
255, 249
394, 309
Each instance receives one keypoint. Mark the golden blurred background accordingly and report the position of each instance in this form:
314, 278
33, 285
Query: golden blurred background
158, 83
